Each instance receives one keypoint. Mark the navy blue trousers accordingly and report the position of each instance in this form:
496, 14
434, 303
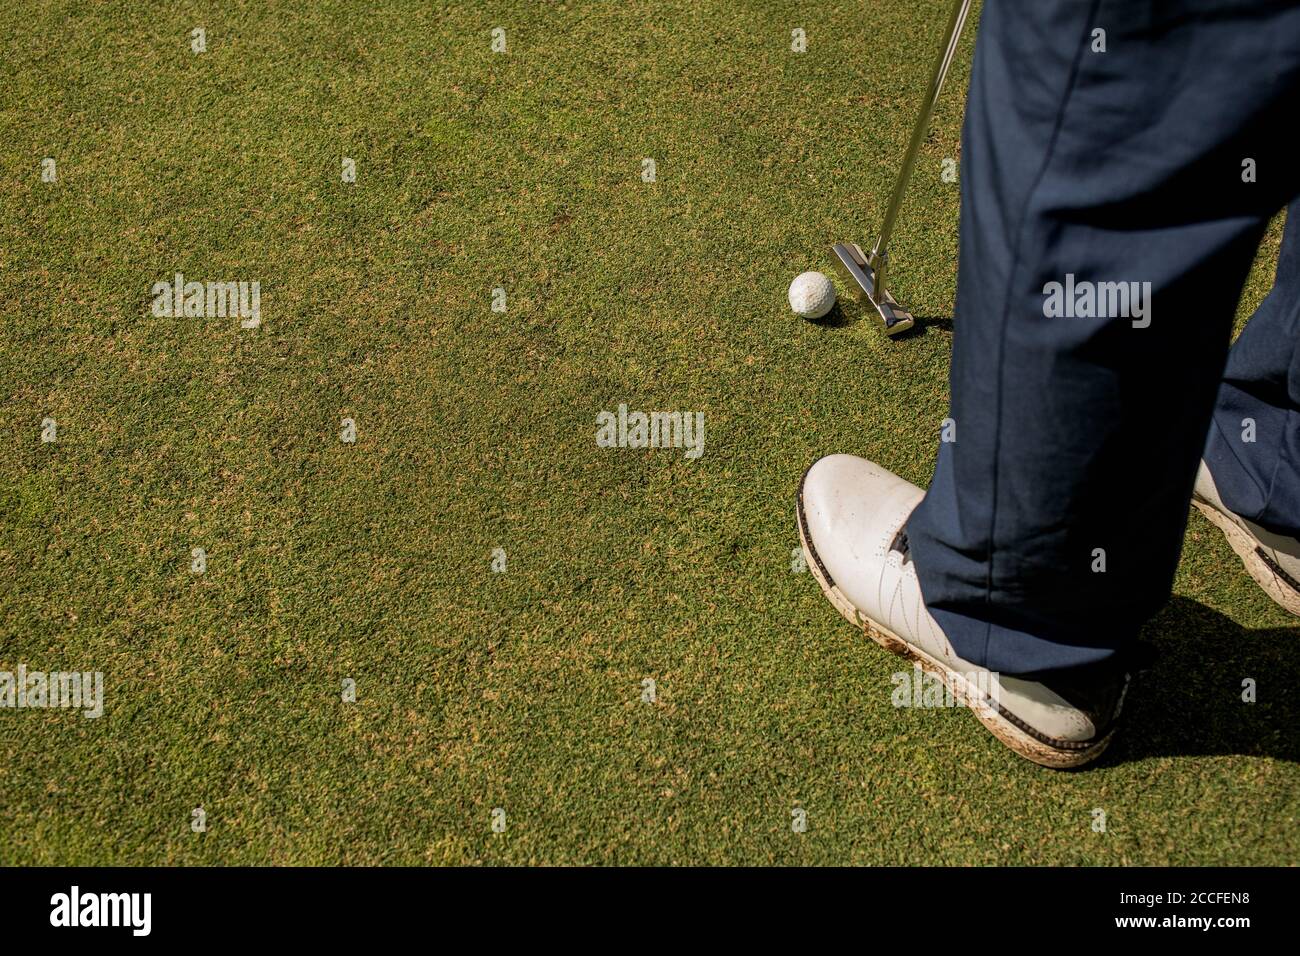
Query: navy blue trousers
1115, 187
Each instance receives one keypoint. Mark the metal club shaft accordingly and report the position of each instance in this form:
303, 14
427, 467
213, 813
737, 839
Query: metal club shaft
956, 20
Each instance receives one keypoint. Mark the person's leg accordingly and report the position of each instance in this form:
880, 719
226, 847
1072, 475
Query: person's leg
1053, 525
1253, 450
1249, 482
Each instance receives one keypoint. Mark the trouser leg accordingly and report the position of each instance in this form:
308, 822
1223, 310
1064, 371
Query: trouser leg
1253, 448
1054, 522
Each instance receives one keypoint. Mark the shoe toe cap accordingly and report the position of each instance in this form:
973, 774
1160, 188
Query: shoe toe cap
850, 504
1044, 710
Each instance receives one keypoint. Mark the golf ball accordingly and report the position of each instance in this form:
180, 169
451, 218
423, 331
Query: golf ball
811, 295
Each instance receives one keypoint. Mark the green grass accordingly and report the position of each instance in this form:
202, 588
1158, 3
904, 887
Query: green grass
476, 430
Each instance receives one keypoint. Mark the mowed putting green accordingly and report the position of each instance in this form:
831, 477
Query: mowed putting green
475, 429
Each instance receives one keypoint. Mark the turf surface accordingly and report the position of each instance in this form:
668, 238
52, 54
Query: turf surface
475, 430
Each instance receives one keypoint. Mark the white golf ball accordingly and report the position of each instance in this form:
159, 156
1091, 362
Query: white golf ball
811, 295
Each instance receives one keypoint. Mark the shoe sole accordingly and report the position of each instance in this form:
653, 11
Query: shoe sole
987, 713
1275, 582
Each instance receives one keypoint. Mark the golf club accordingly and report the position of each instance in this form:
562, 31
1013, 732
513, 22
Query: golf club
865, 274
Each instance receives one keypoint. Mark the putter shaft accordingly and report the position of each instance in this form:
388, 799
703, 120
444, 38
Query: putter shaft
956, 20
867, 272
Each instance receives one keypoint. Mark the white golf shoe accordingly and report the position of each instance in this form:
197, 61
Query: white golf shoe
851, 518
1271, 559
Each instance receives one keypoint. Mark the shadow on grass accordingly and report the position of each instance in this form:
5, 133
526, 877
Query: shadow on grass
838, 318
923, 325
1190, 702
928, 323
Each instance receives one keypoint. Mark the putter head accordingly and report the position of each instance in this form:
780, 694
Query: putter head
852, 265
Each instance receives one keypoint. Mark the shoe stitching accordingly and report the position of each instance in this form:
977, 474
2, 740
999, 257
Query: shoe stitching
1277, 569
